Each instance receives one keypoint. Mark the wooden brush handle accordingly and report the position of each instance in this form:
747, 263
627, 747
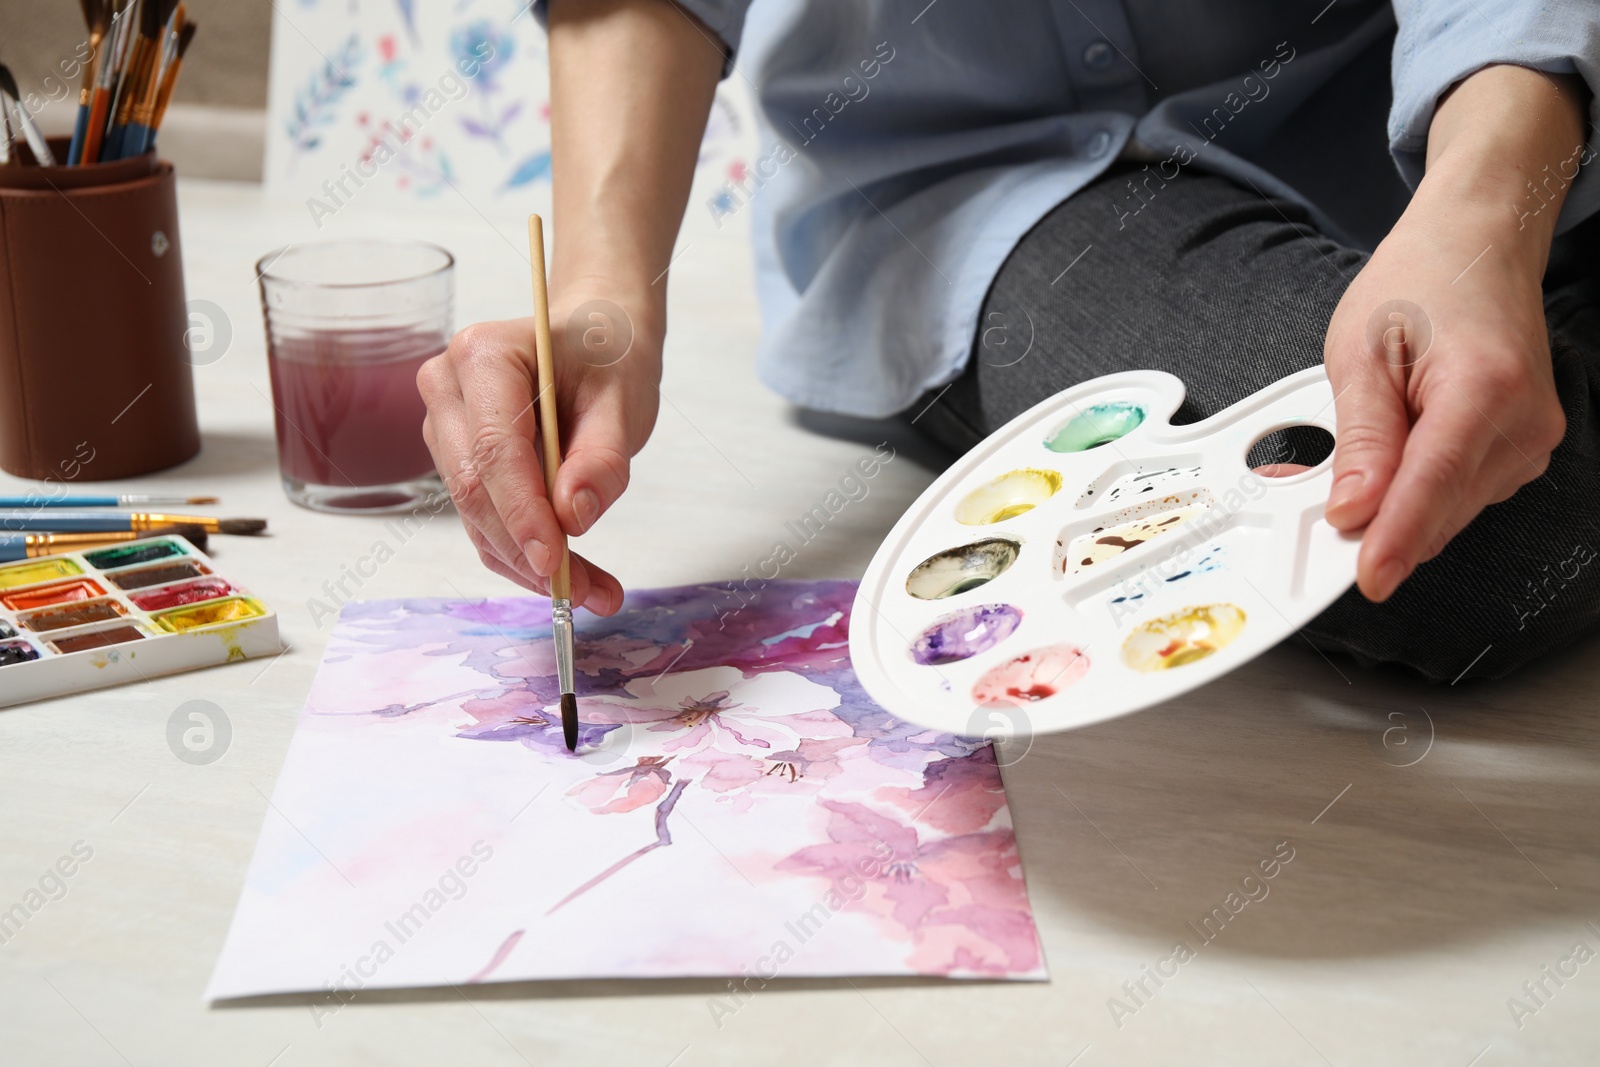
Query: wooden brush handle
561, 581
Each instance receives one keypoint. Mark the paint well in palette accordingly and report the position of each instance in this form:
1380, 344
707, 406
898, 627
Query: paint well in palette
1147, 581
132, 555
60, 592
1096, 425
957, 570
1128, 529
963, 634
1141, 485
1182, 637
16, 652
6, 630
1032, 676
116, 635
68, 615
1013, 493
38, 570
231, 609
175, 596
148, 576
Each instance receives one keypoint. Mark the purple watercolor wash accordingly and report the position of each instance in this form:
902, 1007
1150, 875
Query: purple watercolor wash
965, 633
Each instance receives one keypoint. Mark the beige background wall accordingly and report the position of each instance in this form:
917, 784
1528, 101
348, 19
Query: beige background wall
217, 123
225, 67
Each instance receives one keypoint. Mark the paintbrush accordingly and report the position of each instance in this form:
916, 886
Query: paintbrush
7, 155
168, 82
15, 546
106, 80
126, 500
561, 581
97, 17
36, 142
153, 18
137, 132
52, 520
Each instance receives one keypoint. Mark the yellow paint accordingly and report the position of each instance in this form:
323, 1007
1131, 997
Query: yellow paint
1013, 493
211, 613
1182, 637
37, 570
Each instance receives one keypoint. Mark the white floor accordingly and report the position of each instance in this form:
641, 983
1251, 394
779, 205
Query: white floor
1444, 840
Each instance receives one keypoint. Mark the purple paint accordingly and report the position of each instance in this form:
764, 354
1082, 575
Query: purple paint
965, 633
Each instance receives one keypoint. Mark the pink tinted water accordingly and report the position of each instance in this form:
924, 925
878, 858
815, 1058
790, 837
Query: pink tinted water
347, 407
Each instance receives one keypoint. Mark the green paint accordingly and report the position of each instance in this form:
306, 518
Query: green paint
1095, 426
111, 558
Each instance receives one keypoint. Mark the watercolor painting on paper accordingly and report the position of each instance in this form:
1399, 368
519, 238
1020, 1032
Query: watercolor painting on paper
737, 807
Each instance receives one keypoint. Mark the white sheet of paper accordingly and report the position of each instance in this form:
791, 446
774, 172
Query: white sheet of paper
737, 807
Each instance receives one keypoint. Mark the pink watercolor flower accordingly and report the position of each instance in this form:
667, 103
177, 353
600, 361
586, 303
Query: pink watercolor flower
386, 47
633, 787
960, 900
713, 720
958, 794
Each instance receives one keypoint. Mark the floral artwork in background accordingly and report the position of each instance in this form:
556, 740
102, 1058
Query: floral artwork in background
349, 77
737, 806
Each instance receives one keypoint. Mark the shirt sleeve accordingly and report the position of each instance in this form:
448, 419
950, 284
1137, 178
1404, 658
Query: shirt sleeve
1440, 42
724, 18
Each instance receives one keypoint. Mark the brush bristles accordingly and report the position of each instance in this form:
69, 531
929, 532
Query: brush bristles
241, 526
569, 721
204, 500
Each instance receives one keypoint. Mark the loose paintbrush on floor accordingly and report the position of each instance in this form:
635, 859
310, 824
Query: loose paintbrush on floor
64, 520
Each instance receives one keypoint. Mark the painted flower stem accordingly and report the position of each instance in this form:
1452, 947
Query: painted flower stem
663, 837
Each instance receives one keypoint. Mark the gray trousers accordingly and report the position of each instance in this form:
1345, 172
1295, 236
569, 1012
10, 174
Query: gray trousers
1230, 292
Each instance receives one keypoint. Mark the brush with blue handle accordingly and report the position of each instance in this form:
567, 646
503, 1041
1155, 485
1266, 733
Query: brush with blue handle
97, 17
63, 520
126, 500
140, 136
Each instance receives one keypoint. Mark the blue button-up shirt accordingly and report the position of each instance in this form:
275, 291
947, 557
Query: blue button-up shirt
908, 145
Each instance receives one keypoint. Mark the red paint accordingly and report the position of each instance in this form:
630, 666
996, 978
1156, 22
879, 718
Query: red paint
174, 596
347, 407
60, 593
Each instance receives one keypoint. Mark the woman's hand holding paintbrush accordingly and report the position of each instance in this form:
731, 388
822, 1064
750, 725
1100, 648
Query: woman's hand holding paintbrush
482, 426
612, 242
518, 531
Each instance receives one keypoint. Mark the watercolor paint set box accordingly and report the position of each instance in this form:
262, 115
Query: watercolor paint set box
123, 613
1090, 558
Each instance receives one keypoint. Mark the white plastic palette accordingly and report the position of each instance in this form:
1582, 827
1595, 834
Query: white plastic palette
1062, 588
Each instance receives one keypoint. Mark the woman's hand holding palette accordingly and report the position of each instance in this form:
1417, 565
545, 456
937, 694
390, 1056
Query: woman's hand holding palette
1090, 559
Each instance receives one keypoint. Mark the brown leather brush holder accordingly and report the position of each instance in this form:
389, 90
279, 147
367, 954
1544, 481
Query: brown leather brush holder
95, 378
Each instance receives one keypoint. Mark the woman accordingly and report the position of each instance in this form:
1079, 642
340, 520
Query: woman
1102, 185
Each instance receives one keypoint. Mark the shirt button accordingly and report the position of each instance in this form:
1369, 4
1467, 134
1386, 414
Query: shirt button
1098, 55
1098, 144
